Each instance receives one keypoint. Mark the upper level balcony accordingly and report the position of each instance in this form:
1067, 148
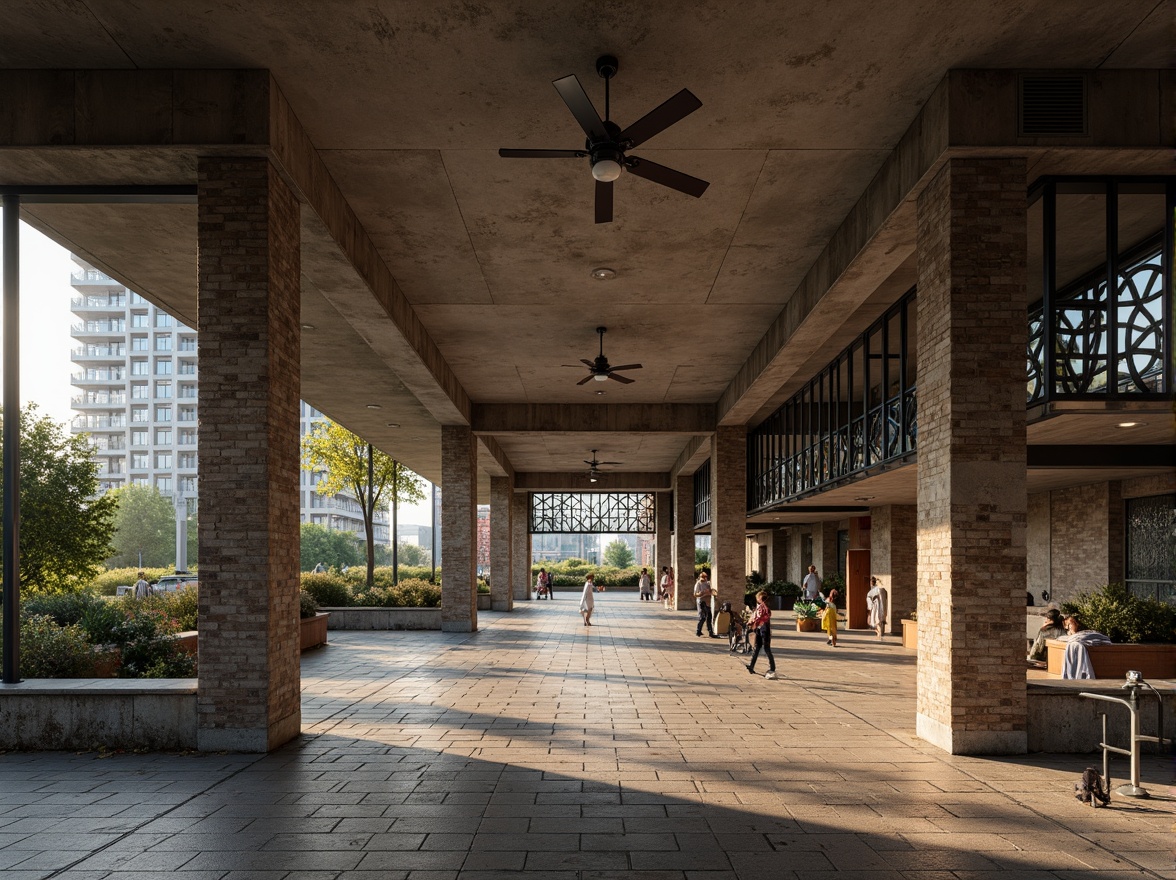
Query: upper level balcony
98, 400
98, 304
84, 353
98, 377
98, 422
90, 329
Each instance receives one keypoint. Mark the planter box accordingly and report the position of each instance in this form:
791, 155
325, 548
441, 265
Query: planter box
314, 631
807, 624
1113, 661
485, 602
384, 618
910, 634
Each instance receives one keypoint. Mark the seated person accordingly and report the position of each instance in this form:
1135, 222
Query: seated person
1076, 663
1051, 628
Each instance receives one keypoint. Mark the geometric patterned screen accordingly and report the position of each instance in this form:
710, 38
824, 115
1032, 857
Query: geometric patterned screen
1151, 547
592, 513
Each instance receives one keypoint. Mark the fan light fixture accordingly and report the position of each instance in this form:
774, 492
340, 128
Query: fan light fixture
373, 406
604, 273
1130, 424
601, 377
592, 479
606, 170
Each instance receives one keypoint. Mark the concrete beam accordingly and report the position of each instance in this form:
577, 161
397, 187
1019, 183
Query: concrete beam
694, 453
563, 481
493, 459
524, 418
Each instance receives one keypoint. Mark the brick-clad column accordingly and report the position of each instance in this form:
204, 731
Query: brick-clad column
501, 515
662, 550
248, 307
972, 497
729, 514
459, 530
520, 537
683, 600
893, 559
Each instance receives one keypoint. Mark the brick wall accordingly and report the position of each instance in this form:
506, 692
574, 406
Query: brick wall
248, 306
521, 546
459, 529
663, 546
500, 543
1086, 538
971, 476
894, 558
684, 542
729, 514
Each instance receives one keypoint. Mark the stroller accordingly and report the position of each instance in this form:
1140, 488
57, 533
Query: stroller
739, 634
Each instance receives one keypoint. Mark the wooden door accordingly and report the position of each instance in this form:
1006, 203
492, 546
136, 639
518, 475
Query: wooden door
857, 584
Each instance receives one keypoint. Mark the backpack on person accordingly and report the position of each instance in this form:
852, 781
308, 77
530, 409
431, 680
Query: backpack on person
1090, 789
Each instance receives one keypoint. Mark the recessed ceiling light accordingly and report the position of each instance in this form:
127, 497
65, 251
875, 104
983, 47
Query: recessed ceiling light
308, 326
373, 406
1131, 424
865, 498
391, 424
599, 393
603, 273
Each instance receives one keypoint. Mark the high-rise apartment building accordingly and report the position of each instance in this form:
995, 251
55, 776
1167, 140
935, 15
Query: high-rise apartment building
136, 379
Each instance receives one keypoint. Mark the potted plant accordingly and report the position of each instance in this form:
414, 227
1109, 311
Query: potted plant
484, 602
1142, 632
910, 631
807, 616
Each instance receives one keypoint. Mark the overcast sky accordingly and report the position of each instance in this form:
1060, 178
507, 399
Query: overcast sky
45, 343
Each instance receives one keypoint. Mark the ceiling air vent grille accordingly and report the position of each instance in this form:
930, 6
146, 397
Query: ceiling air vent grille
1052, 105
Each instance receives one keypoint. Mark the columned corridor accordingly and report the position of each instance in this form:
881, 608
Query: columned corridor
540, 746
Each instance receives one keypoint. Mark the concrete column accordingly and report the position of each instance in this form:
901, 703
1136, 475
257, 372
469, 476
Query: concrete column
825, 555
248, 306
459, 529
893, 557
683, 599
729, 514
663, 551
501, 514
971, 478
777, 555
520, 538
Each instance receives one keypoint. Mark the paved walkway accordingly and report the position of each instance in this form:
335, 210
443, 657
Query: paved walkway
630, 750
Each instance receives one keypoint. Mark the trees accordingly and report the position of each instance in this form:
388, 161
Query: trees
701, 556
144, 522
343, 457
412, 554
332, 548
64, 530
619, 554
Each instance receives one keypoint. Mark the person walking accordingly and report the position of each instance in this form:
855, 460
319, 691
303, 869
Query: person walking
667, 584
811, 585
587, 600
142, 587
543, 584
761, 623
829, 618
702, 596
876, 602
645, 586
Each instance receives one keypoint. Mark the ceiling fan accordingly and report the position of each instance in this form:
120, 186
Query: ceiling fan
600, 370
594, 467
607, 143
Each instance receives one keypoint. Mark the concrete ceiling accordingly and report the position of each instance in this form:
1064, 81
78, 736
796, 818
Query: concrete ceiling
407, 103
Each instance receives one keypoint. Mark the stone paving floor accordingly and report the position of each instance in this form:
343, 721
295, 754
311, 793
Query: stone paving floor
630, 749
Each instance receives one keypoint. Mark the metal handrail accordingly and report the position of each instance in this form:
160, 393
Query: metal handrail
1134, 684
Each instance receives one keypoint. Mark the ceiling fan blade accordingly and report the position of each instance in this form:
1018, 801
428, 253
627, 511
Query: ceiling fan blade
587, 378
587, 363
576, 98
660, 118
541, 154
623, 379
692, 186
604, 201
626, 367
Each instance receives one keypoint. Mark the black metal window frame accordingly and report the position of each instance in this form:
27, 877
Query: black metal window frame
1099, 341
592, 513
702, 495
1150, 563
825, 434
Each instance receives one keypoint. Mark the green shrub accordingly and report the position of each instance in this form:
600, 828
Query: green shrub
148, 651
754, 581
1123, 616
48, 650
106, 582
786, 590
836, 582
180, 606
483, 588
307, 607
64, 608
806, 610
328, 588
412, 593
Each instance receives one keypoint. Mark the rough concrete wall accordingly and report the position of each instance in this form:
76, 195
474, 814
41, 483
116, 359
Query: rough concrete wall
972, 499
894, 558
1038, 546
248, 280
